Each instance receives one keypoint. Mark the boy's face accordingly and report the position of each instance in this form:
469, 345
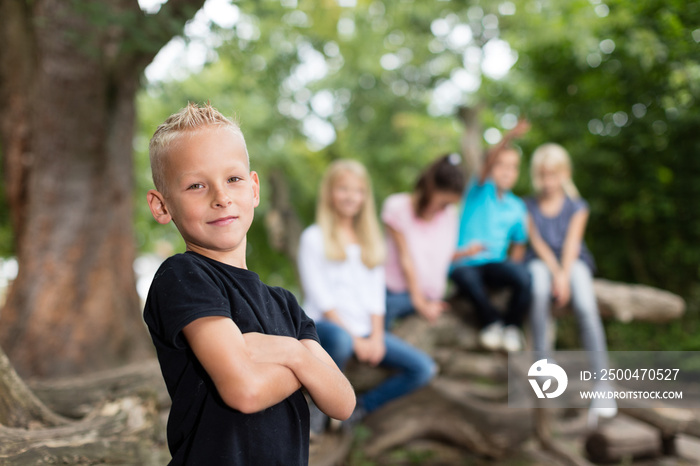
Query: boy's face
505, 170
211, 193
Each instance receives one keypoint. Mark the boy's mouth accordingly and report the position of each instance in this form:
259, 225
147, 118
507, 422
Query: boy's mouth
223, 221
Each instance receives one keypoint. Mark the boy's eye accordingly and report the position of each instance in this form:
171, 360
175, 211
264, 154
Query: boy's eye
195, 186
234, 179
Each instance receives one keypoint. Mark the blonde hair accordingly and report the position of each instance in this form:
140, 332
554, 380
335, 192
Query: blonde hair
366, 222
552, 156
187, 120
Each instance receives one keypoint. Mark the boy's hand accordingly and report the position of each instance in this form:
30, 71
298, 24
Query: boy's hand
471, 250
270, 348
522, 127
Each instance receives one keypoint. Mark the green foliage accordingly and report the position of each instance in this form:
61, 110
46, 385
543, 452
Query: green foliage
379, 117
615, 83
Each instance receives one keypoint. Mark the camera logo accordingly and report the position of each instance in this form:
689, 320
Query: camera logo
542, 368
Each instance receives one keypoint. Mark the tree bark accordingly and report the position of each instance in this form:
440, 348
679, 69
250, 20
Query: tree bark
623, 439
445, 410
69, 72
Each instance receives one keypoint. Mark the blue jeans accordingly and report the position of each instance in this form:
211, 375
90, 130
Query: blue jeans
397, 305
473, 280
415, 368
585, 308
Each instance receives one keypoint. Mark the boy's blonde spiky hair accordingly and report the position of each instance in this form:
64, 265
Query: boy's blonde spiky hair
187, 120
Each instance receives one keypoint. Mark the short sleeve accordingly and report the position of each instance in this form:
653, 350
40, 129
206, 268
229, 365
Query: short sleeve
182, 292
580, 204
394, 211
530, 204
306, 329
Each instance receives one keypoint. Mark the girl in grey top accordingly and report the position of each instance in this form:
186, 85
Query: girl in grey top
559, 262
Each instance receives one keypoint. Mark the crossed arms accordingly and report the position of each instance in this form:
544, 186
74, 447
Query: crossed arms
254, 371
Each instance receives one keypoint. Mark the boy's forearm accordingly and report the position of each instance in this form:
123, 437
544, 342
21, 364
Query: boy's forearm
270, 384
326, 384
310, 366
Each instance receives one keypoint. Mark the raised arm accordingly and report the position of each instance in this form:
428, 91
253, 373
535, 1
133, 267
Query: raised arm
243, 384
521, 128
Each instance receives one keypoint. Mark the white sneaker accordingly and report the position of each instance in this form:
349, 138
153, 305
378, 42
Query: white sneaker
512, 338
491, 336
605, 408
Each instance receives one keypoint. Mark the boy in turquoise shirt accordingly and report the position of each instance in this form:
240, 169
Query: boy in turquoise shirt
491, 246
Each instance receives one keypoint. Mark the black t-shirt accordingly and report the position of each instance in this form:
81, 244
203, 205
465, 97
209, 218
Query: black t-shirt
202, 429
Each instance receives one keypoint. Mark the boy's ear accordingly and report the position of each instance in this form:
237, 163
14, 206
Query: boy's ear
256, 188
156, 202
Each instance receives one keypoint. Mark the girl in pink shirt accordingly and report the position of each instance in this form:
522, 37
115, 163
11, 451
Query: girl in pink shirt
421, 236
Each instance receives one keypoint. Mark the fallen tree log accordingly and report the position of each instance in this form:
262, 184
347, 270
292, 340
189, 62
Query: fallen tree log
624, 439
669, 420
463, 364
628, 302
624, 302
548, 443
445, 411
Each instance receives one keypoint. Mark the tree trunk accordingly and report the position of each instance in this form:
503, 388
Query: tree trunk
69, 72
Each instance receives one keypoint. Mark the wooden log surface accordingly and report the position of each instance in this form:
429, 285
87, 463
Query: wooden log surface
445, 410
626, 302
623, 302
669, 420
623, 439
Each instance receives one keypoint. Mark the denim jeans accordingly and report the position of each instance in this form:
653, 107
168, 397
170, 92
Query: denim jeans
397, 305
472, 281
415, 368
585, 308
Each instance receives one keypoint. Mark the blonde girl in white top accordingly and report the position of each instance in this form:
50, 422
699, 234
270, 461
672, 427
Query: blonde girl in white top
341, 261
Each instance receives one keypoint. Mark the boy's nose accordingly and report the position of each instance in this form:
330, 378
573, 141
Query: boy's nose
221, 198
